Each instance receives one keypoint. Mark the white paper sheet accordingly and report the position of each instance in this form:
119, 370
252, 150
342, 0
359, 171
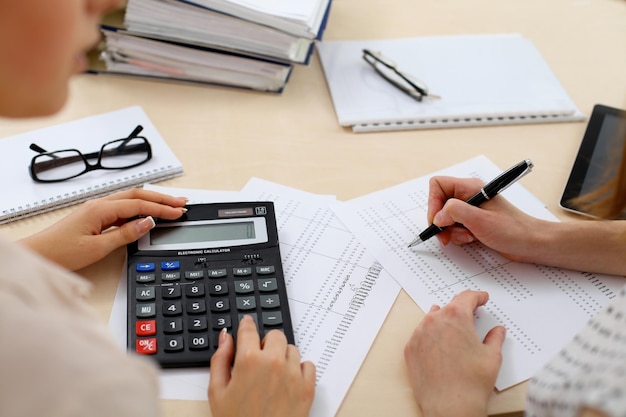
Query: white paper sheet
541, 307
338, 294
489, 79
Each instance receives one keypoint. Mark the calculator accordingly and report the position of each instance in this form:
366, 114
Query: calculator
192, 277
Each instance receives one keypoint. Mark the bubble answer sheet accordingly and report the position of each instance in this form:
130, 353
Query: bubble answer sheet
541, 307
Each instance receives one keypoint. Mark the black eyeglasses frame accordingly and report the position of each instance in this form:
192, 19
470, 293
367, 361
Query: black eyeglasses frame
56, 161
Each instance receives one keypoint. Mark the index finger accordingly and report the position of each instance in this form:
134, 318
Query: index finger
147, 195
117, 212
248, 336
469, 301
442, 188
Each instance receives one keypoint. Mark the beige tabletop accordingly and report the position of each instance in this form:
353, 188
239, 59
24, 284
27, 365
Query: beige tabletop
225, 136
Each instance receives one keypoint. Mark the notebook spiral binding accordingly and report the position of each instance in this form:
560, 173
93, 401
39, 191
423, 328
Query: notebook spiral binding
79, 196
463, 122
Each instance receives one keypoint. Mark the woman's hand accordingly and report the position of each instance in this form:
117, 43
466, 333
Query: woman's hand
266, 380
99, 226
497, 223
453, 372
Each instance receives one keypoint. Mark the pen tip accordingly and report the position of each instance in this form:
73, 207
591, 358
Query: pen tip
415, 242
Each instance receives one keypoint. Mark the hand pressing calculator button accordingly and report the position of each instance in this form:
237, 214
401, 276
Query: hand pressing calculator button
188, 279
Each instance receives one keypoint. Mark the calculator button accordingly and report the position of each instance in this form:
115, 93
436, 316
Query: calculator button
174, 344
216, 339
220, 305
270, 301
145, 278
217, 273
196, 307
242, 272
146, 310
169, 292
275, 318
170, 265
195, 290
145, 328
197, 324
172, 309
246, 303
172, 326
218, 288
254, 317
194, 274
145, 267
146, 346
244, 287
220, 322
170, 276
264, 270
267, 284
200, 342
145, 293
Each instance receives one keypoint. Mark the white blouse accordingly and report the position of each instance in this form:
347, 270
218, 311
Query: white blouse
57, 357
589, 372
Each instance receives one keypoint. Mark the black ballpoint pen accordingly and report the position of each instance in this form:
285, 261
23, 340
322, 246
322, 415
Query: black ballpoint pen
493, 188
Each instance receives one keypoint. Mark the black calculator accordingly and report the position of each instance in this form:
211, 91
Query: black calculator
190, 278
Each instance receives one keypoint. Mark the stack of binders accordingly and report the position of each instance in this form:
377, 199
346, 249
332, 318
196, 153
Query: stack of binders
251, 44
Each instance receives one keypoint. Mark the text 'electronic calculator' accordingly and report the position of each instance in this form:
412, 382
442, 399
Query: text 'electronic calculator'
190, 278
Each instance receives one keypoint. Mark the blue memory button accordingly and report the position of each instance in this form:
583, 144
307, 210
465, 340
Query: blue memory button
170, 265
145, 267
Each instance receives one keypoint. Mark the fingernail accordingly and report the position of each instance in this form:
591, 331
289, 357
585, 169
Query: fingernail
465, 238
145, 224
437, 218
222, 337
184, 209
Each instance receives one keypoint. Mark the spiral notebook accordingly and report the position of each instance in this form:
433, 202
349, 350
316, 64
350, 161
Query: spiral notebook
481, 80
22, 197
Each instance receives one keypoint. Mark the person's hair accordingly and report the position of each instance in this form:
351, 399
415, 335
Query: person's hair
609, 200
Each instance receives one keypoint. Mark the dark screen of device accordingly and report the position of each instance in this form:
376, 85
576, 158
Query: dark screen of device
607, 153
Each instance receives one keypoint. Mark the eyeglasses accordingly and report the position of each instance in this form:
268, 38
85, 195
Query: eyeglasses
70, 163
387, 69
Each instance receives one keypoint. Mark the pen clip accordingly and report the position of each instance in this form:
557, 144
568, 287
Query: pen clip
529, 167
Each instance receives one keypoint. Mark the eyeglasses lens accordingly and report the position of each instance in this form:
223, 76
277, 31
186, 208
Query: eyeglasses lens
124, 153
58, 165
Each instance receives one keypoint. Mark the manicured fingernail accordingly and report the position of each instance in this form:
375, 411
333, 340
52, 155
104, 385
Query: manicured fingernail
145, 224
222, 337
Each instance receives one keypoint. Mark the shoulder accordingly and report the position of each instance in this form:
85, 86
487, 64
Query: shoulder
55, 348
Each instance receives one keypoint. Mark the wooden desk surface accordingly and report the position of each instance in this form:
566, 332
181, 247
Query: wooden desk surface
225, 136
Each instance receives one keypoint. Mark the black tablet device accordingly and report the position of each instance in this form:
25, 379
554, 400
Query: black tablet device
600, 151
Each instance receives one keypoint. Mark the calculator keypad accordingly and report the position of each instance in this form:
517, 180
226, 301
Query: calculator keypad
178, 309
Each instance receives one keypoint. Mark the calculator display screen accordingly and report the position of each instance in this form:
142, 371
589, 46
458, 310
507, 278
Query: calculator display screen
202, 233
